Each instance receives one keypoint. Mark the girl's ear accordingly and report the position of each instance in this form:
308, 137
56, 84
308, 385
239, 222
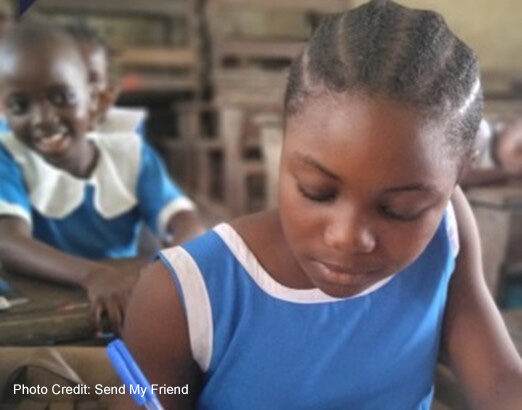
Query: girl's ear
93, 111
101, 102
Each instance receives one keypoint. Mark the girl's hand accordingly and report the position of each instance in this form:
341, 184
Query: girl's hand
109, 290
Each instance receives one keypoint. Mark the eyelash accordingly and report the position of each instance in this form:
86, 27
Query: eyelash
385, 210
330, 197
316, 197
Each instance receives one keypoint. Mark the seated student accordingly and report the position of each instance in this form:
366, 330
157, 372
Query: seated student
499, 154
343, 296
72, 202
105, 89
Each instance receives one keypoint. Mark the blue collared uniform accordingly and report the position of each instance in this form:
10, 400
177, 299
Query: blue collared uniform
98, 217
261, 345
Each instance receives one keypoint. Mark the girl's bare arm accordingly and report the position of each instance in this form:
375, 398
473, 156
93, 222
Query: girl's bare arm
475, 339
156, 333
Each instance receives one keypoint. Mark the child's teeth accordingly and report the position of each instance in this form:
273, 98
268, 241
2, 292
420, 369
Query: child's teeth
55, 137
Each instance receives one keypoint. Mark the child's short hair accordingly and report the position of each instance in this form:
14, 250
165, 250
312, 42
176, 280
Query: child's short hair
406, 54
36, 35
83, 32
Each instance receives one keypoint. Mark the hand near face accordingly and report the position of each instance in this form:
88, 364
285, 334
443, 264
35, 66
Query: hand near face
509, 149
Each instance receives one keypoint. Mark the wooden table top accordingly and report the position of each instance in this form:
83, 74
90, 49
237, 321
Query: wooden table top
54, 314
60, 314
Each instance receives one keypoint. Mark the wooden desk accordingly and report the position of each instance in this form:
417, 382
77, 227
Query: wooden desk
54, 314
498, 210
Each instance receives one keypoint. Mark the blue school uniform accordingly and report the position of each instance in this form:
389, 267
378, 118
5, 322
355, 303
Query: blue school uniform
4, 125
262, 345
98, 217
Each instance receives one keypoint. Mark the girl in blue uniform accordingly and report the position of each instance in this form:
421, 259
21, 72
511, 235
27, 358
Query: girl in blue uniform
72, 201
369, 270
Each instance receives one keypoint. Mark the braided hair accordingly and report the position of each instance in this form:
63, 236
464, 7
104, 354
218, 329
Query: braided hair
409, 55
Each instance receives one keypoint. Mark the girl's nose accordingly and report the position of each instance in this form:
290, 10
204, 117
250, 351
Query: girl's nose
350, 234
43, 115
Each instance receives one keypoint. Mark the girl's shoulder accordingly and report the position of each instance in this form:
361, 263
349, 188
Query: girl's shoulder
13, 150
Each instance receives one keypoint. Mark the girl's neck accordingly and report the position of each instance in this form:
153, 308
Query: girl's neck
263, 234
82, 162
88, 158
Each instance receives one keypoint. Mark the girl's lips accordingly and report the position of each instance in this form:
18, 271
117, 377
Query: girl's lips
342, 276
53, 145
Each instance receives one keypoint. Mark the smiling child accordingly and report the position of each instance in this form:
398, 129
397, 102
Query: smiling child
72, 201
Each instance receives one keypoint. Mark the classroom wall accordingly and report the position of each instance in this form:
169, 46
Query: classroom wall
492, 28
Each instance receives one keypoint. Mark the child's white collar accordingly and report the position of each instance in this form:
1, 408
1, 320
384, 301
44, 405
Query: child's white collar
122, 119
56, 193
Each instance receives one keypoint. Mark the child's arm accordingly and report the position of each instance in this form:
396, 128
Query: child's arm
183, 226
475, 338
162, 204
156, 333
107, 288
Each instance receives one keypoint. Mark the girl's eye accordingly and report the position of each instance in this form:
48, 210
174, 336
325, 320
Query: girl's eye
62, 98
401, 216
317, 196
18, 105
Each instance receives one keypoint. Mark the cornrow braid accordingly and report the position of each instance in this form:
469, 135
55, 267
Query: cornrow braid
406, 54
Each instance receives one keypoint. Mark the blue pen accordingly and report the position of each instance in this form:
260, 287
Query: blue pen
132, 376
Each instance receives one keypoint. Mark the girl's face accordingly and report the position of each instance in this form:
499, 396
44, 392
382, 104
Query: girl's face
103, 94
46, 98
97, 65
363, 186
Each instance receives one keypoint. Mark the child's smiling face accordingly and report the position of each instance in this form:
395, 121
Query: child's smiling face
363, 184
46, 97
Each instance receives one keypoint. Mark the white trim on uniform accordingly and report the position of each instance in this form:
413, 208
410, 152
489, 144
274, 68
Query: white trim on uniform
171, 209
7, 208
197, 304
452, 229
122, 119
56, 193
261, 277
